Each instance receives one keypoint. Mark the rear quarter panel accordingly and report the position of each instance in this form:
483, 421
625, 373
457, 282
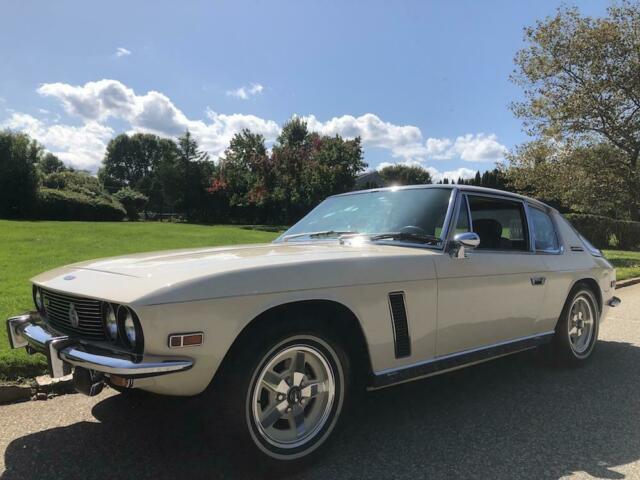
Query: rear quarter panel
566, 269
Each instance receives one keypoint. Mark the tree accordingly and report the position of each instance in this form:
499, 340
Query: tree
194, 173
50, 163
145, 163
308, 167
302, 169
131, 160
581, 81
580, 179
19, 155
405, 175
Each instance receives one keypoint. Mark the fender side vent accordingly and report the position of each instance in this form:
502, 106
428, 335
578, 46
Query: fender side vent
402, 342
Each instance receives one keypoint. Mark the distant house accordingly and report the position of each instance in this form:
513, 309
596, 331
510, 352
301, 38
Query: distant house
367, 180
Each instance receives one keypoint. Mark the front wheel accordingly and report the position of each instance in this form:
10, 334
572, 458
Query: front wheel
287, 396
577, 329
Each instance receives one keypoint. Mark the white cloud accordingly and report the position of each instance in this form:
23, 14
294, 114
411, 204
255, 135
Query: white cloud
122, 52
82, 147
153, 112
479, 148
438, 148
246, 92
404, 141
97, 103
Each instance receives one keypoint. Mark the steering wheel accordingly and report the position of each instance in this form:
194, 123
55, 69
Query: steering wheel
413, 229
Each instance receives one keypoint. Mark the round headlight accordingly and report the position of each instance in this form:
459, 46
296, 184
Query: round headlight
128, 325
38, 299
110, 321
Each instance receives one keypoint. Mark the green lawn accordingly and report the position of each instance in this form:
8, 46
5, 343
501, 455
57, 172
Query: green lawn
28, 248
627, 263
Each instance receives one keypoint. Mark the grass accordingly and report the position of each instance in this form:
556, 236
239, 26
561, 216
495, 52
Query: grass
28, 248
627, 263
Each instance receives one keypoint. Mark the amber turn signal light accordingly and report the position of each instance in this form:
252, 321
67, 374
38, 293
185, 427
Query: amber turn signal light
178, 340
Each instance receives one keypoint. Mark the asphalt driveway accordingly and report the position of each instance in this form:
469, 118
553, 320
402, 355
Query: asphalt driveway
516, 417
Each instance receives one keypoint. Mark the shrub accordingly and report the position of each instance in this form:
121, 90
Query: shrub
79, 182
132, 201
605, 232
67, 205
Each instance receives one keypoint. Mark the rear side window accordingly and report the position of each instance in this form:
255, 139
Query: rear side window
544, 231
500, 223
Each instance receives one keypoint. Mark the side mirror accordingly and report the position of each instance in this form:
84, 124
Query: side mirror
463, 242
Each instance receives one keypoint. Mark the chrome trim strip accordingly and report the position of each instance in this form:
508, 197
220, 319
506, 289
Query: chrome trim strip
438, 365
151, 366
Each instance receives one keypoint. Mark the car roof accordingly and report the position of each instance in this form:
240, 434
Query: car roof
464, 188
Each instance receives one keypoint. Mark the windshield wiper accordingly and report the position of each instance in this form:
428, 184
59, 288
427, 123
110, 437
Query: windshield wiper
324, 233
407, 237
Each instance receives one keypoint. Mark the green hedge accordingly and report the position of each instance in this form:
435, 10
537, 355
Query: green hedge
55, 204
605, 232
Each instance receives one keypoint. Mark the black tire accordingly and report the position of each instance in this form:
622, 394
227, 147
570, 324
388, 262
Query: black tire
569, 348
235, 389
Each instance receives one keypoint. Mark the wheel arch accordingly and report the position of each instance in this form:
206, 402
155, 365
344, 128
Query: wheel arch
592, 285
337, 317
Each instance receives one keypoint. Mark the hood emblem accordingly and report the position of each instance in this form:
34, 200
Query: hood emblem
73, 316
69, 277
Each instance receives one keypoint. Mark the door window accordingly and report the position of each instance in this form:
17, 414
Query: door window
543, 231
500, 223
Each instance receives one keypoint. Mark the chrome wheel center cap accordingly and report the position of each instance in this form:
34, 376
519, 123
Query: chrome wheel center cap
294, 396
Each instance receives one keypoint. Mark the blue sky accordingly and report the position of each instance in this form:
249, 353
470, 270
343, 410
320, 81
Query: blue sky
421, 82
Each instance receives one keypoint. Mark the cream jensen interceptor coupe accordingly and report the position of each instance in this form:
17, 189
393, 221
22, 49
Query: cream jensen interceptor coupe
371, 288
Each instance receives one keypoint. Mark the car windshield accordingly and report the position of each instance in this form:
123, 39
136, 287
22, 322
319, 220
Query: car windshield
412, 213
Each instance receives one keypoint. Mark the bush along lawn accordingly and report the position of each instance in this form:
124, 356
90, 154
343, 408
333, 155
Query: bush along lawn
627, 263
29, 248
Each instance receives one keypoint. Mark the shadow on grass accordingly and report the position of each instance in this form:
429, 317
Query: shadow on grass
510, 418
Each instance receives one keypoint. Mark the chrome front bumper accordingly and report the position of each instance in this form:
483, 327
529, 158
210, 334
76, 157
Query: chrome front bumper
64, 352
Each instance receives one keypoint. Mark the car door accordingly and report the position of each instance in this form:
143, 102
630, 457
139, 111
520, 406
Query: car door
493, 295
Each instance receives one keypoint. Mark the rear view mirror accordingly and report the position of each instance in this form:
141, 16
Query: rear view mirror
463, 242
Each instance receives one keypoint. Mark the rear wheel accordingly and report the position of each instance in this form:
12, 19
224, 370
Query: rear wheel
577, 329
283, 396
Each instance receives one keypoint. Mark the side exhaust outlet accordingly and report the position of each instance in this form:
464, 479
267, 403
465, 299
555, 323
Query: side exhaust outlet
88, 382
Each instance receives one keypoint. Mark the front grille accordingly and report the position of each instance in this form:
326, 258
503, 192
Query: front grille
57, 307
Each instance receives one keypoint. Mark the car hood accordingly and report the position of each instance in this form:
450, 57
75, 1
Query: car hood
246, 269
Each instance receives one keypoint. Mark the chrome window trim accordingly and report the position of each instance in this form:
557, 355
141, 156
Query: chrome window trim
509, 198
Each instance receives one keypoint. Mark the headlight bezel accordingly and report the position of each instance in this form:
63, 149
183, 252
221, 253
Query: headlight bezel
129, 323
110, 328
38, 299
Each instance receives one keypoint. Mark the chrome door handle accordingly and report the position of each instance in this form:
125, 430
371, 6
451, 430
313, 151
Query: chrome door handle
537, 281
